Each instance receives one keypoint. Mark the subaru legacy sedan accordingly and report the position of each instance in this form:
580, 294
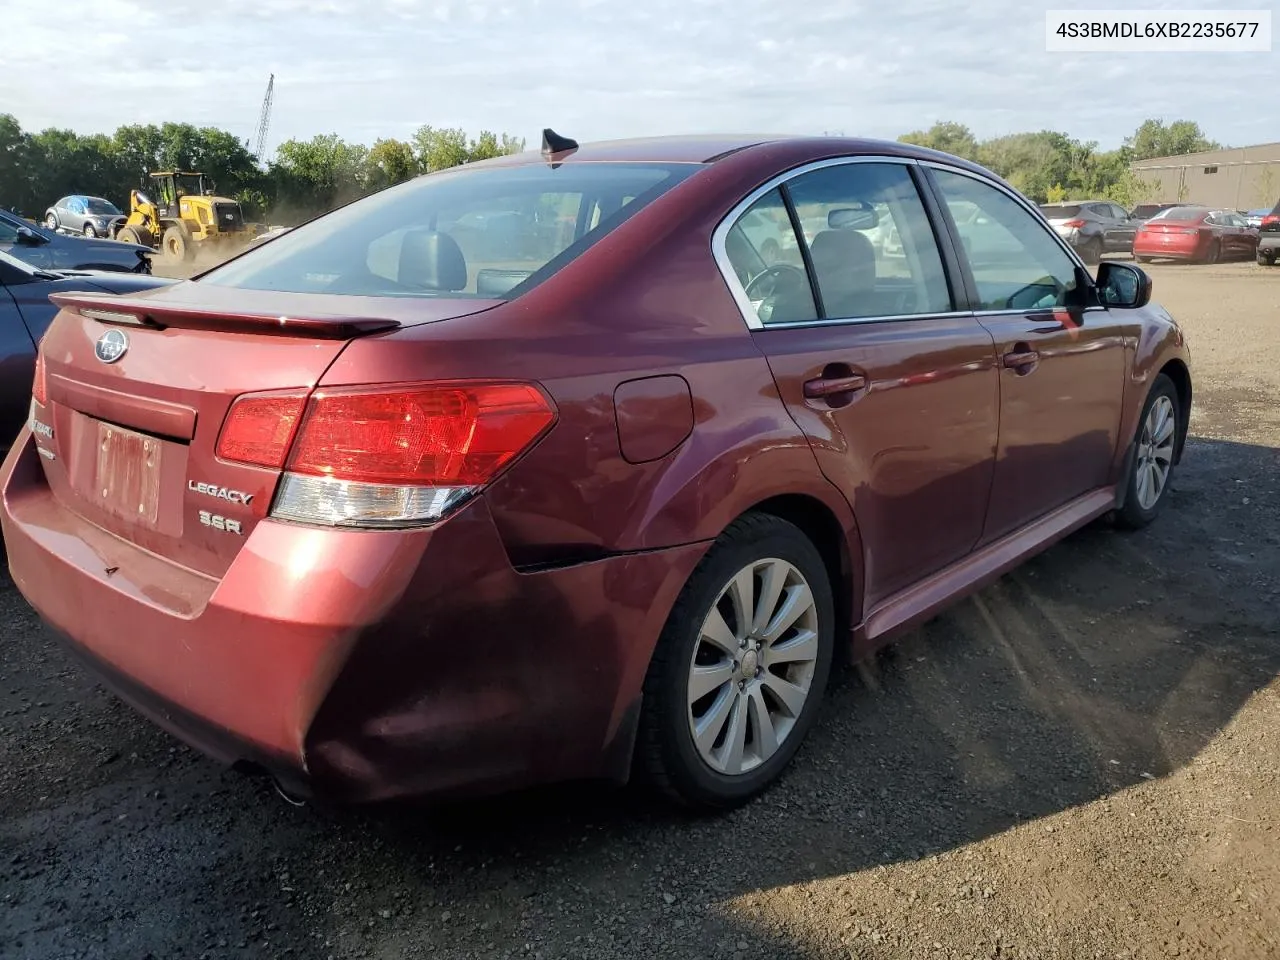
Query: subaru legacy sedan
392, 507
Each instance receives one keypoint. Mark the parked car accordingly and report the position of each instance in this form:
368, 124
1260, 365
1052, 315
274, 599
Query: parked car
25, 314
463, 525
1254, 217
1092, 227
1145, 211
1269, 237
1199, 234
48, 250
90, 216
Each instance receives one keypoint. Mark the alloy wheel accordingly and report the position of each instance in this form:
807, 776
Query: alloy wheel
1155, 452
753, 666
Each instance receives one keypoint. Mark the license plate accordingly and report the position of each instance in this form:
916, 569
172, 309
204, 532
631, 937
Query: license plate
128, 474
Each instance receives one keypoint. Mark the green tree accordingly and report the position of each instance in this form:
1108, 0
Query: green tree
1154, 139
439, 148
947, 136
390, 162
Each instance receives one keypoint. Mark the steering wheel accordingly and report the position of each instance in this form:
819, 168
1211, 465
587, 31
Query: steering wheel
775, 272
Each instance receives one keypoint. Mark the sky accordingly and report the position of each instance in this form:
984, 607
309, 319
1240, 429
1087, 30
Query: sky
599, 69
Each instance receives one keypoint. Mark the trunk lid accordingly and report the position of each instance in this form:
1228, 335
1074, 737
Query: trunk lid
134, 430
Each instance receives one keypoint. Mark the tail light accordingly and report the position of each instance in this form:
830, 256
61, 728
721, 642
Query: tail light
1271, 218
1074, 224
39, 389
384, 457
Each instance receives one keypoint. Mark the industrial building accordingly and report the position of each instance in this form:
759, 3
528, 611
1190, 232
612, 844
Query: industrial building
1239, 178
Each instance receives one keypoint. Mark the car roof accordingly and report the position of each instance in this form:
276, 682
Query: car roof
709, 148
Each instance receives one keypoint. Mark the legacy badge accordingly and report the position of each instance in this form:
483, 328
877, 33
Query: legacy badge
222, 493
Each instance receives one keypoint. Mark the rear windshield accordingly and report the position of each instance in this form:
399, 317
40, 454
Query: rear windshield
1145, 210
1181, 213
489, 233
1052, 212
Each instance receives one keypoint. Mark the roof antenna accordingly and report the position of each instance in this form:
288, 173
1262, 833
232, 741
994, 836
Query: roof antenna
553, 143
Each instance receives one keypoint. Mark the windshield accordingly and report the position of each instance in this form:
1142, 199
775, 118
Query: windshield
100, 207
1181, 213
189, 185
484, 233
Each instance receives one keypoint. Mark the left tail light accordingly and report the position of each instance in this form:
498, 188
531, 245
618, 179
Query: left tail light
384, 457
1074, 224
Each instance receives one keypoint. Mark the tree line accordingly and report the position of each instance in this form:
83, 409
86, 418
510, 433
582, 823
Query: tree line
306, 177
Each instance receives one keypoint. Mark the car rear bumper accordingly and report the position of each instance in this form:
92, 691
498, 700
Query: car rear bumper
1269, 243
1167, 251
357, 665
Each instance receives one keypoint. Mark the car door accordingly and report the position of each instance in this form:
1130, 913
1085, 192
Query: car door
17, 365
1123, 229
1061, 361
895, 387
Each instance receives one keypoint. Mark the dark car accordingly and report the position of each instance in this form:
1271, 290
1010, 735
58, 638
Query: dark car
50, 250
1196, 234
1145, 211
1092, 227
382, 517
1269, 237
90, 216
25, 314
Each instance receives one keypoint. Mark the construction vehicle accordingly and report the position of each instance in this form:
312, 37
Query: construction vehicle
177, 213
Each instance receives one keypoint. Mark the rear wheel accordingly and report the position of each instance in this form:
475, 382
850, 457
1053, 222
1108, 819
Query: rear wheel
51, 220
1152, 466
1266, 259
1091, 252
177, 245
738, 675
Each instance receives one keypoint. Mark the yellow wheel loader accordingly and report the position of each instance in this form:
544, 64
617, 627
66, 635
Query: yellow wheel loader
177, 213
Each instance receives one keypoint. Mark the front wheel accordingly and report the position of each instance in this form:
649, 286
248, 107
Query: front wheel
1156, 446
89, 230
1091, 252
1266, 259
739, 672
177, 245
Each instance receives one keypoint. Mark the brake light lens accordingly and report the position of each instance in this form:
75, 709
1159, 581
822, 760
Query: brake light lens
1271, 218
260, 426
39, 388
384, 457
1074, 224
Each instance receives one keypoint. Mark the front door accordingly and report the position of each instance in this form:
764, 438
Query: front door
1061, 365
895, 388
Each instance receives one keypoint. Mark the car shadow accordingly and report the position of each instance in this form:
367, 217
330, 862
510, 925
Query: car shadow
1109, 660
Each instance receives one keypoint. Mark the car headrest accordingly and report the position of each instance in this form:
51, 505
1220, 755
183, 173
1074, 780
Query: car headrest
432, 260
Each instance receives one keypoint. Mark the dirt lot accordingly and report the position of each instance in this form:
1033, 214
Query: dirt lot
1083, 761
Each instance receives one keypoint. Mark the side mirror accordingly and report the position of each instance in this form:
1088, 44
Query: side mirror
1123, 285
29, 238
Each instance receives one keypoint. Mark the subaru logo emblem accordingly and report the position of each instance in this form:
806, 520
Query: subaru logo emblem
111, 346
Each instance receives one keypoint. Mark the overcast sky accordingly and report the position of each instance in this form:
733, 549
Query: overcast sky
595, 69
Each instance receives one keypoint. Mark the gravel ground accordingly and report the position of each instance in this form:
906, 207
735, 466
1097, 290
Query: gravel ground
1082, 761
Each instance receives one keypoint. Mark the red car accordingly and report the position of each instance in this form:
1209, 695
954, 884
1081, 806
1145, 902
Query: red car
1199, 234
384, 513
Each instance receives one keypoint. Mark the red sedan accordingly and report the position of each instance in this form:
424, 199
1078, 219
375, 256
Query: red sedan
422, 497
1195, 234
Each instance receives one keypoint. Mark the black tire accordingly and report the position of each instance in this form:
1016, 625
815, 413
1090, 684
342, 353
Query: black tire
666, 754
1141, 259
1091, 252
1266, 259
1213, 253
177, 245
1133, 515
51, 221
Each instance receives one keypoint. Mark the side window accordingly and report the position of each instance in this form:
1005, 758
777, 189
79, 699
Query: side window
1119, 212
1016, 264
765, 256
8, 232
873, 250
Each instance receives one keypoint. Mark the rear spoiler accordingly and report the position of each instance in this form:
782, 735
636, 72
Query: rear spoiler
141, 312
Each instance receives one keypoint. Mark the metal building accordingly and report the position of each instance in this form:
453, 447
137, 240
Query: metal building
1240, 178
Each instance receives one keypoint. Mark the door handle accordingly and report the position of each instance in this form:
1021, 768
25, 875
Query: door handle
828, 386
1016, 359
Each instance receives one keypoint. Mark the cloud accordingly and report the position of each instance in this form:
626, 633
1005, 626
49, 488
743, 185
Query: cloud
599, 68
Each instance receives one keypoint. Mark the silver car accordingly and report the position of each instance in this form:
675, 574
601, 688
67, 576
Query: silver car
90, 216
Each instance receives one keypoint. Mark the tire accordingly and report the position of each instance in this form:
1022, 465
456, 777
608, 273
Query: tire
89, 231
1266, 259
177, 245
666, 752
1139, 510
1141, 259
1213, 253
51, 221
1091, 252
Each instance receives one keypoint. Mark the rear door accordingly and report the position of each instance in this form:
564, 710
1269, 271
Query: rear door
1061, 364
1120, 229
895, 387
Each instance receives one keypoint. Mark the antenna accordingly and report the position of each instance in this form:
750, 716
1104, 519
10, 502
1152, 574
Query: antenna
264, 119
552, 142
